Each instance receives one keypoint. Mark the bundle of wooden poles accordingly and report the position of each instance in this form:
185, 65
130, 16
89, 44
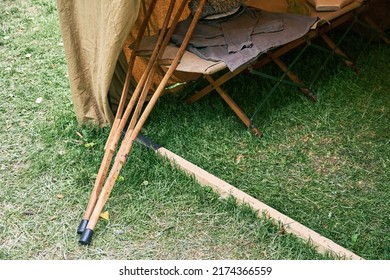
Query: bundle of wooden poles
135, 111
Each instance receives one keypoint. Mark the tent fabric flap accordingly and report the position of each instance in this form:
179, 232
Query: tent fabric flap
93, 33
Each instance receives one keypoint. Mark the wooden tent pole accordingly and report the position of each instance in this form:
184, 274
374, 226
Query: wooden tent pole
120, 122
132, 134
130, 66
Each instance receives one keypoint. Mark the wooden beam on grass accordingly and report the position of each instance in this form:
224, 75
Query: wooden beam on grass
224, 189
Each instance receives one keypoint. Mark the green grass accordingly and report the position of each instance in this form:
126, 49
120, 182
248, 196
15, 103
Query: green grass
325, 164
47, 172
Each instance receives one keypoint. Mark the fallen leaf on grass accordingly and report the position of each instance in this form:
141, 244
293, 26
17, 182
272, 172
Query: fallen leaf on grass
78, 141
79, 135
354, 238
105, 215
145, 183
89, 145
239, 158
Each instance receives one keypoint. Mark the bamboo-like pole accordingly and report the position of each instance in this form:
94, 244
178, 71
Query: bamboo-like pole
131, 134
122, 102
121, 118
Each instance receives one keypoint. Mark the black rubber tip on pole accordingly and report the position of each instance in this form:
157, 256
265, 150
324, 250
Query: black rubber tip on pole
86, 236
82, 226
147, 142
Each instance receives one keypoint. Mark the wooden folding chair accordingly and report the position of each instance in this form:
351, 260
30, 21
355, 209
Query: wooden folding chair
326, 21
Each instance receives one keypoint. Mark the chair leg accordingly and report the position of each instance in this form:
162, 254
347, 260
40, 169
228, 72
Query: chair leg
377, 29
200, 94
293, 77
338, 51
217, 83
236, 109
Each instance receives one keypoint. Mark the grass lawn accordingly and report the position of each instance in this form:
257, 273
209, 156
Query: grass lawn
324, 164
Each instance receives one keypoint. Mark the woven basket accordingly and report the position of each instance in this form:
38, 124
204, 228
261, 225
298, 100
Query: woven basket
213, 7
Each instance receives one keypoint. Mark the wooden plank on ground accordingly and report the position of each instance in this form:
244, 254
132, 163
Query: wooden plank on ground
224, 189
